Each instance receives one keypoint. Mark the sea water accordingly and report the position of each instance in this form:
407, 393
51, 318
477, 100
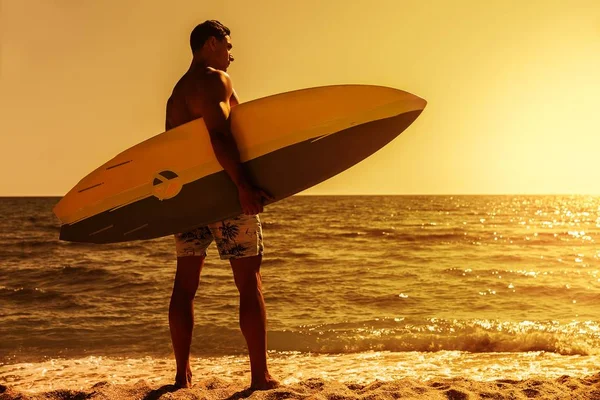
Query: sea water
358, 288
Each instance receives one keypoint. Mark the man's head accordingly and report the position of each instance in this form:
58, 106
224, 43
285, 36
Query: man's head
211, 42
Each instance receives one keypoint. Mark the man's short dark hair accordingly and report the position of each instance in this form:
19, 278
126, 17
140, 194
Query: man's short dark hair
203, 31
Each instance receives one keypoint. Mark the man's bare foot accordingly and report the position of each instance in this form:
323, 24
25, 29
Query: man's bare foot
266, 384
184, 382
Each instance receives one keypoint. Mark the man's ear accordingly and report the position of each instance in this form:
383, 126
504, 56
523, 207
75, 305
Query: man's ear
212, 43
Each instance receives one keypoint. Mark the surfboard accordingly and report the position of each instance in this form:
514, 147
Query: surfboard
172, 182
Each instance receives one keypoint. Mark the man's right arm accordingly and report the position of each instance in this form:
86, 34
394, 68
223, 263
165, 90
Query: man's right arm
215, 109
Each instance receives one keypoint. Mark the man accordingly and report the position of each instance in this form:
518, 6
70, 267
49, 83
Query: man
206, 91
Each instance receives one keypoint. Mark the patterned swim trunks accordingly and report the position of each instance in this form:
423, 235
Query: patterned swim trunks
237, 237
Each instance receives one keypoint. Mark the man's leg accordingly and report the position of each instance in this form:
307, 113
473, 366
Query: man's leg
253, 318
181, 314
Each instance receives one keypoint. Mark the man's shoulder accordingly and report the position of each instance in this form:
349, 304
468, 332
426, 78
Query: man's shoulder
214, 84
210, 81
216, 77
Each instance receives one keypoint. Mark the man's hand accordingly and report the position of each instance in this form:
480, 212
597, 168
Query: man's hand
252, 199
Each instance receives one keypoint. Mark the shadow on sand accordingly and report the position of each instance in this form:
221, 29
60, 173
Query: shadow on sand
156, 393
242, 394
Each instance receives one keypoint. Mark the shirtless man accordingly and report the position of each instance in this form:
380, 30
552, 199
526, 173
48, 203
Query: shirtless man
205, 90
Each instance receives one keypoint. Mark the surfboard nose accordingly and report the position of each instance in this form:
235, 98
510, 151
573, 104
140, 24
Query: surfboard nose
406, 100
420, 101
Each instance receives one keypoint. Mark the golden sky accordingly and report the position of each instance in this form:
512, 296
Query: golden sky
513, 86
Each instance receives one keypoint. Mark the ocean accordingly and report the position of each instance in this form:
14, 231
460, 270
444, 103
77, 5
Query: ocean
358, 289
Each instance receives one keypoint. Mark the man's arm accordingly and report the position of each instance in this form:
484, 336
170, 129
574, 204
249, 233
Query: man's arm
235, 100
216, 108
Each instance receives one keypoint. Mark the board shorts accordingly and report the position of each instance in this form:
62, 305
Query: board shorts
237, 237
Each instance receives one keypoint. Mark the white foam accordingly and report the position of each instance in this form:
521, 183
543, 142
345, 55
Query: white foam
290, 368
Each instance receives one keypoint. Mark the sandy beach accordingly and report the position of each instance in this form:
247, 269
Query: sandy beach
225, 389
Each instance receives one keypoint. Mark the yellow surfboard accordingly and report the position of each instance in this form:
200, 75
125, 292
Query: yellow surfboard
289, 142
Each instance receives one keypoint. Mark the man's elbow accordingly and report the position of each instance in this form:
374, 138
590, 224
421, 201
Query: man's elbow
221, 141
216, 136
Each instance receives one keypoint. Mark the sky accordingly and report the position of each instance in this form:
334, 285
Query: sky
513, 86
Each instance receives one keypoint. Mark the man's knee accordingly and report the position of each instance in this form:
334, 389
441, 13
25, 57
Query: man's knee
187, 277
246, 273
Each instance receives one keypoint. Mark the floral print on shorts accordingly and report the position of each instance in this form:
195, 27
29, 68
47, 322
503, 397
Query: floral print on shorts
237, 237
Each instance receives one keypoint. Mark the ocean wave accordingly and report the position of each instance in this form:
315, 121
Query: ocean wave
523, 273
272, 261
122, 337
66, 278
274, 226
22, 293
45, 297
49, 227
474, 337
293, 255
564, 292
74, 273
33, 224
135, 246
37, 243
163, 254
398, 236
